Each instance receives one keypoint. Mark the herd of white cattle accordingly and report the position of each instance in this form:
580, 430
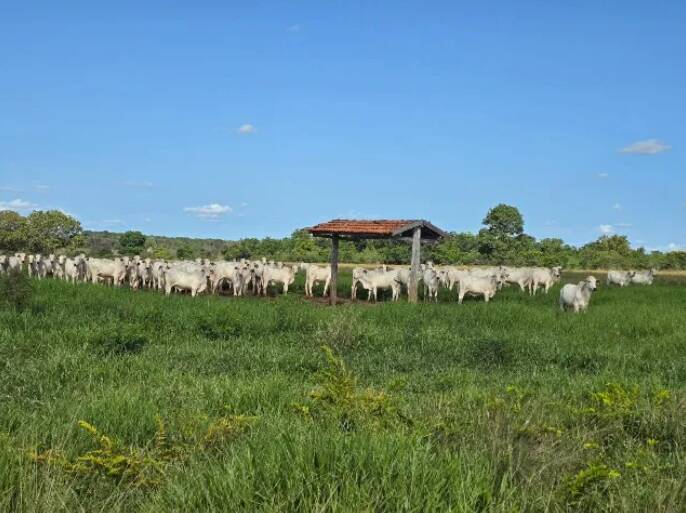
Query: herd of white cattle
246, 276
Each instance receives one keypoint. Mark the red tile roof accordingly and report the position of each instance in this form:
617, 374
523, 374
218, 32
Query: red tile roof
360, 227
377, 228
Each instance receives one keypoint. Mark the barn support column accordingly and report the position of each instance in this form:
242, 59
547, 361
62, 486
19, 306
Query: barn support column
333, 291
414, 269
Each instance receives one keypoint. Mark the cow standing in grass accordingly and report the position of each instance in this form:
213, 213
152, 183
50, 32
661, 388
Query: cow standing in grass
643, 277
478, 286
313, 274
577, 297
621, 278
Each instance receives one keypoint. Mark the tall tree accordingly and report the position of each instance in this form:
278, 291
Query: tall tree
504, 221
49, 230
12, 231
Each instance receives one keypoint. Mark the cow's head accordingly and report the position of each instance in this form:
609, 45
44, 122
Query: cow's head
591, 282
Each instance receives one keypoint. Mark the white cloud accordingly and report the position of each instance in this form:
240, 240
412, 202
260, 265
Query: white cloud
211, 211
247, 128
550, 223
617, 206
606, 229
41, 187
623, 225
603, 175
9, 189
17, 205
647, 147
295, 28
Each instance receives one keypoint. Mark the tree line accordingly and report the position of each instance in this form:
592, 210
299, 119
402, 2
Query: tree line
502, 240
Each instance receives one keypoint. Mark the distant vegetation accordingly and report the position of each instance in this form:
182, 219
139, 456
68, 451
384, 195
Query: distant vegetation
502, 240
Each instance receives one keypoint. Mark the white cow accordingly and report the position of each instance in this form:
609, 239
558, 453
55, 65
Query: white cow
643, 277
139, 273
102, 269
357, 273
251, 276
316, 273
489, 272
58, 267
621, 278
273, 275
379, 279
577, 297
38, 266
451, 276
15, 263
522, 276
403, 276
157, 274
432, 283
183, 277
478, 286
544, 277
75, 269
226, 272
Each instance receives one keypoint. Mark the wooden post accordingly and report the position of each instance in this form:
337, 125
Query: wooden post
333, 291
414, 270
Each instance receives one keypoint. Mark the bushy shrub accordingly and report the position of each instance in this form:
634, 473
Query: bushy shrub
15, 289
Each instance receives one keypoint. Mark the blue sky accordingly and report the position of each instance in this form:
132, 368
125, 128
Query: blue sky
226, 119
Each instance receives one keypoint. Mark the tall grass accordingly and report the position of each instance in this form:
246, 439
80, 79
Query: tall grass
510, 406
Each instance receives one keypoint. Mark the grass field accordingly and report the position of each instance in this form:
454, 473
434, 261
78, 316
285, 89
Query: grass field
117, 401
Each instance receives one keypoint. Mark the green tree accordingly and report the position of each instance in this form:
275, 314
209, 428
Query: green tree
185, 252
161, 253
12, 231
46, 231
609, 251
132, 243
504, 221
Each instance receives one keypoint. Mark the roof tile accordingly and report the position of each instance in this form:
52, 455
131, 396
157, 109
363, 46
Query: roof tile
360, 227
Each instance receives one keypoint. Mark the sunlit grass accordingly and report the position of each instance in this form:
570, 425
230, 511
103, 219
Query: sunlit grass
510, 406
